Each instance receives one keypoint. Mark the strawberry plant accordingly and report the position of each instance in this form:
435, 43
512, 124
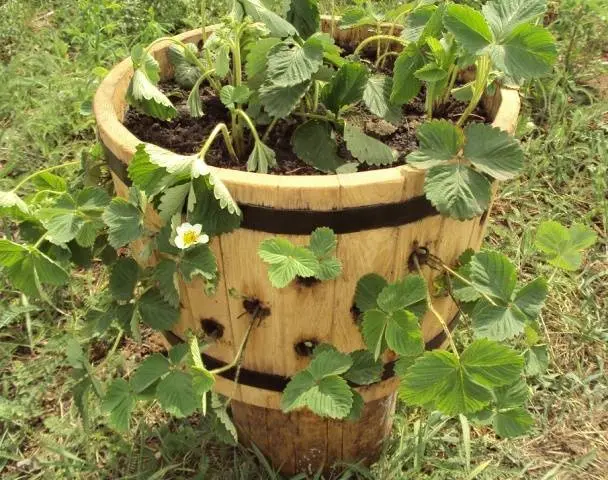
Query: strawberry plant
267, 70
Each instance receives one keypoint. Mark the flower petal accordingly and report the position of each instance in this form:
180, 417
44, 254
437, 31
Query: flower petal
204, 238
179, 242
198, 228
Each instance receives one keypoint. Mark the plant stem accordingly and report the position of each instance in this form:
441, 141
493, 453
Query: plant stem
377, 38
249, 123
453, 76
429, 302
28, 322
39, 241
380, 61
223, 129
39, 172
481, 81
315, 116
241, 349
204, 20
269, 129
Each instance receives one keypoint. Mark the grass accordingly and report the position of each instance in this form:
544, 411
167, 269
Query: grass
53, 55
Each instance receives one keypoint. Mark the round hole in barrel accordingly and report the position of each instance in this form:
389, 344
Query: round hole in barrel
307, 281
212, 328
421, 254
255, 307
305, 348
355, 312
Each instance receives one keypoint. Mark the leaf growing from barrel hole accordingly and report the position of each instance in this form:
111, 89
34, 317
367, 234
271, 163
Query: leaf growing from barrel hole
261, 157
119, 402
564, 246
493, 274
458, 191
439, 142
323, 242
493, 151
398, 330
404, 294
365, 370
367, 149
368, 288
453, 385
314, 143
148, 372
123, 278
356, 410
175, 394
346, 87
287, 261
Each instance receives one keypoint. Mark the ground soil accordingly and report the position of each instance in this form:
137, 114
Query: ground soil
185, 134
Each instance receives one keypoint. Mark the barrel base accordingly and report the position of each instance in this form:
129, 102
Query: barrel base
302, 442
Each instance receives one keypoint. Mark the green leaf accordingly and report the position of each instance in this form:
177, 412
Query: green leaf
222, 61
155, 312
468, 26
367, 149
504, 15
150, 370
453, 385
291, 64
493, 151
328, 362
8, 200
346, 87
198, 261
119, 402
145, 96
531, 298
62, 221
279, 102
527, 52
125, 222
405, 84
256, 60
287, 261
292, 397
172, 201
416, 22
439, 141
186, 72
356, 16
146, 176
564, 246
209, 212
123, 278
304, 15
27, 268
403, 294
175, 394
231, 96
537, 360
403, 334
314, 143
194, 102
323, 242
165, 273
189, 165
356, 411
177, 353
261, 157
377, 98
513, 395
330, 397
364, 370
497, 322
48, 181
259, 13
144, 60
431, 72
373, 329
457, 190
368, 288
329, 269
513, 422
493, 274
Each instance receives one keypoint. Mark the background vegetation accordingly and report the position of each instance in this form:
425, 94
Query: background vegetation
53, 54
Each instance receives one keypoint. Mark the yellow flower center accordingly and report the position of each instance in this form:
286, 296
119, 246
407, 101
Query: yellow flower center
190, 238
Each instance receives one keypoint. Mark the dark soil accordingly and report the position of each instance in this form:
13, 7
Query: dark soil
185, 135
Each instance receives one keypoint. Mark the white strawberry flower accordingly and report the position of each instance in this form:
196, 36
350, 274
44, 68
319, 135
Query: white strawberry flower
188, 235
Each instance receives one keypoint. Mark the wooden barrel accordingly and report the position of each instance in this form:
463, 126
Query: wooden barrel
380, 217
